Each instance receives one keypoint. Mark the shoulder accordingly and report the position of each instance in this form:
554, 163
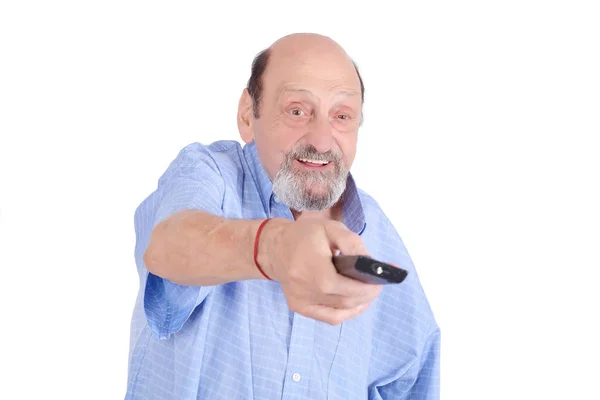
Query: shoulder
213, 159
196, 153
409, 295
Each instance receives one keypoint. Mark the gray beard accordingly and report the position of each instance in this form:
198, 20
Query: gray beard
310, 190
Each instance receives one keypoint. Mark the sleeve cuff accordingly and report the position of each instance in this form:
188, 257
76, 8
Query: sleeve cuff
168, 305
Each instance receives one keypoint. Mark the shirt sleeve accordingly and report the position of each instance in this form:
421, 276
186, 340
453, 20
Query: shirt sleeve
192, 181
422, 380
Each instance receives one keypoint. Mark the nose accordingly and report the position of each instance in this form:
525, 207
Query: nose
320, 135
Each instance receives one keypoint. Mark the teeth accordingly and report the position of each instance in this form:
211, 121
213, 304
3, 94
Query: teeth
314, 161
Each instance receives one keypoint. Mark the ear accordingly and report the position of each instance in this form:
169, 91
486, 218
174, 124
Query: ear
245, 117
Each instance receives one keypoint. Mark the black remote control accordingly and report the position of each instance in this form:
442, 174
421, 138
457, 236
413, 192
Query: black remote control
368, 270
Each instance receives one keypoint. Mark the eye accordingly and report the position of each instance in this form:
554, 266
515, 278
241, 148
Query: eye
297, 112
343, 117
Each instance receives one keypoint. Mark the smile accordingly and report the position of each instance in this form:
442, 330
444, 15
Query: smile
312, 163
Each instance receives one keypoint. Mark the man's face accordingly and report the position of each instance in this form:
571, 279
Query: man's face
307, 130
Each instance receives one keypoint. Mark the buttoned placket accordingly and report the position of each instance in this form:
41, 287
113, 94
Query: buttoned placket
301, 348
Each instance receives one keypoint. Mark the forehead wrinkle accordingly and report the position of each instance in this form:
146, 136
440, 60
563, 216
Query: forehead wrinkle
345, 92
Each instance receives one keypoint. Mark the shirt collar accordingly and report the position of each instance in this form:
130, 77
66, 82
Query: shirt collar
352, 209
262, 180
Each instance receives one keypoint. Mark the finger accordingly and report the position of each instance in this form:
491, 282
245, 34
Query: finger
333, 316
336, 284
343, 239
349, 302
327, 292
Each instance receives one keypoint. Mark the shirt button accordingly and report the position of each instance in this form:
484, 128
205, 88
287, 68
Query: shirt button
296, 377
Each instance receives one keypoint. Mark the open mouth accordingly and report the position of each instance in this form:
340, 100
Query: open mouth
312, 163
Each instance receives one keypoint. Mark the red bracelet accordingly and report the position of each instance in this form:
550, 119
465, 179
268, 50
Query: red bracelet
262, 225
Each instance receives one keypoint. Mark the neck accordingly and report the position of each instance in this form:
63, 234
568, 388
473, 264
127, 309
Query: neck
334, 213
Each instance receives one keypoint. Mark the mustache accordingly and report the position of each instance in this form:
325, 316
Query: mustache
311, 152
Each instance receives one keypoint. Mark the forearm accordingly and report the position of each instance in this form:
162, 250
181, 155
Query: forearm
196, 248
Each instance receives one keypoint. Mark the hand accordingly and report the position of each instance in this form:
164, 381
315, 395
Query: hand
299, 256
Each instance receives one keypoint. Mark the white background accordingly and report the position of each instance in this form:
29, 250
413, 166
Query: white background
480, 142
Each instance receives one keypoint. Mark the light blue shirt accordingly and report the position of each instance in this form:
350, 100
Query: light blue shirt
240, 340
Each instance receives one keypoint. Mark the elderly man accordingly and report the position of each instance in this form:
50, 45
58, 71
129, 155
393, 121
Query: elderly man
239, 298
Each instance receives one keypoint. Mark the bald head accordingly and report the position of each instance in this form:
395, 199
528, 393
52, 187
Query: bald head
304, 53
307, 45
